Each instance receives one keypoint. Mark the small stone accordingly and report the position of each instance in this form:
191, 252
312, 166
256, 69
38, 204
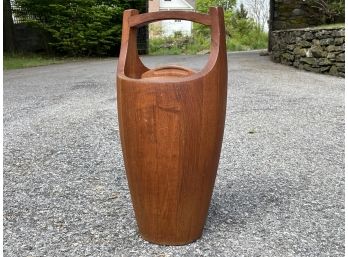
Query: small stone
341, 74
340, 58
322, 34
338, 33
308, 60
308, 53
298, 39
290, 39
339, 40
308, 35
340, 48
317, 51
298, 12
297, 33
316, 41
325, 68
331, 56
290, 47
304, 43
264, 53
275, 47
326, 41
286, 62
300, 51
288, 57
333, 70
308, 67
331, 48
324, 61
275, 57
340, 69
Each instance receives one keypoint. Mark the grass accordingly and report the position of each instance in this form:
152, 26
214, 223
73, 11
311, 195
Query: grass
331, 26
247, 42
195, 44
173, 45
19, 60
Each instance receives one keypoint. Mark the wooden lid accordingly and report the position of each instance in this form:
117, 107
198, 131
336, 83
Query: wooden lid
168, 71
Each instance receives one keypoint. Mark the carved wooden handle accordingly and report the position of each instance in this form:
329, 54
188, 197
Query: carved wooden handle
142, 19
129, 60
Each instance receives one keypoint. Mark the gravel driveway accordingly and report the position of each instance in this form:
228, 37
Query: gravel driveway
280, 184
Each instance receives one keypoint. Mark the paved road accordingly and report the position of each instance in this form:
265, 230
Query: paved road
280, 184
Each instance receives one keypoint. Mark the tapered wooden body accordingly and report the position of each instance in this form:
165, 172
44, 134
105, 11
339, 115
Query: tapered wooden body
171, 124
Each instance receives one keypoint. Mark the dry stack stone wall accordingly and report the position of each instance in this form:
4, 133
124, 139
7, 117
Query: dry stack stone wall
290, 14
317, 50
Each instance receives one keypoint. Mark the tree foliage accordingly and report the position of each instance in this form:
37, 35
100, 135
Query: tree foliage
237, 22
242, 32
259, 11
332, 10
77, 27
242, 13
203, 5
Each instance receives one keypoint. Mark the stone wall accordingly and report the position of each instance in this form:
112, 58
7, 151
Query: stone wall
290, 14
317, 50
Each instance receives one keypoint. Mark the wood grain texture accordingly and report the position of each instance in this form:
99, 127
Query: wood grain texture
171, 71
142, 19
171, 125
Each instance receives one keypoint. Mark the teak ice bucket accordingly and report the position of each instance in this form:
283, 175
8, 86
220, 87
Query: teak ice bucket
171, 125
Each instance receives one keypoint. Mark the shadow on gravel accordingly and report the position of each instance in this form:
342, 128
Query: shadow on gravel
239, 204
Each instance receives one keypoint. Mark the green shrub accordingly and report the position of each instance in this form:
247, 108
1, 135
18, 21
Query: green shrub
176, 44
242, 33
331, 10
197, 43
77, 27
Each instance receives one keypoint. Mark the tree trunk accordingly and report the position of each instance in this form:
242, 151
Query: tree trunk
9, 39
